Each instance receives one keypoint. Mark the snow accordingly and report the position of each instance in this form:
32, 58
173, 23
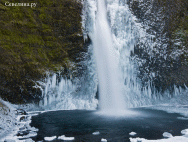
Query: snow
50, 138
103, 140
63, 137
96, 133
11, 134
7, 118
25, 140
173, 139
168, 135
175, 108
185, 132
132, 133
183, 118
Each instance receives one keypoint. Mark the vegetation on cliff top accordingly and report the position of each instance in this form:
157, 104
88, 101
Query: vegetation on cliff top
34, 40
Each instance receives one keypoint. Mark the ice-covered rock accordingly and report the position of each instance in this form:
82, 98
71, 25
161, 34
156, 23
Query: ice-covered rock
96, 133
184, 132
50, 138
63, 137
103, 140
132, 133
168, 135
29, 140
7, 118
183, 118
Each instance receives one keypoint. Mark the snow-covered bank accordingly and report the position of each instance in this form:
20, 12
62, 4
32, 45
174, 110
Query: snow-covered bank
8, 119
14, 124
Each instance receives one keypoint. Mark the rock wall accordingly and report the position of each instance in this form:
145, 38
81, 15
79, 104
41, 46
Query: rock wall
166, 63
35, 40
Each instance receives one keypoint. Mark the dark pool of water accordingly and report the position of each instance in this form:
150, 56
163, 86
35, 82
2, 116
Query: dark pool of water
80, 124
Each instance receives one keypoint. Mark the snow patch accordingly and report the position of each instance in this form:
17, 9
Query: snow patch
132, 133
183, 118
96, 133
184, 132
173, 139
103, 140
23, 129
50, 138
168, 135
63, 137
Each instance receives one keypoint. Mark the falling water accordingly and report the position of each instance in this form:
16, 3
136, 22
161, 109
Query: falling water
109, 75
114, 31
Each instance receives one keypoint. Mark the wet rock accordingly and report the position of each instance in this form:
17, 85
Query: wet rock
23, 118
22, 133
21, 112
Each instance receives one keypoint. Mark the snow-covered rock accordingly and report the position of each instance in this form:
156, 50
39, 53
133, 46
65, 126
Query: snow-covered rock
50, 138
63, 137
103, 140
132, 133
7, 118
96, 133
168, 135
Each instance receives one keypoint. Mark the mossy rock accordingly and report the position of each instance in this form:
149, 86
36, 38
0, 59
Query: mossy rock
35, 40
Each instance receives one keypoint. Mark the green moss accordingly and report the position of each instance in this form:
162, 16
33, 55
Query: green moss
34, 40
46, 2
49, 38
42, 16
5, 32
3, 7
45, 26
30, 25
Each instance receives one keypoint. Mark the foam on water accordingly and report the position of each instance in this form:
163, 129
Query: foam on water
114, 113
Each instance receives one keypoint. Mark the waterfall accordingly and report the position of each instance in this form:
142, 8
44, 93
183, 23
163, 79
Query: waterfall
114, 32
109, 75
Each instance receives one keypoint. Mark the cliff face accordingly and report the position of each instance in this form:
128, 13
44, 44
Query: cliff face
35, 40
167, 22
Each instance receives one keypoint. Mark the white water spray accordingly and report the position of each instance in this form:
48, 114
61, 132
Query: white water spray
109, 75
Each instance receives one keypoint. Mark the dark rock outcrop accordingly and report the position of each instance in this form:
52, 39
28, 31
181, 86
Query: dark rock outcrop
167, 21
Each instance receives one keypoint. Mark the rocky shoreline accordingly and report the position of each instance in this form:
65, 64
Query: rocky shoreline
14, 123
8, 118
